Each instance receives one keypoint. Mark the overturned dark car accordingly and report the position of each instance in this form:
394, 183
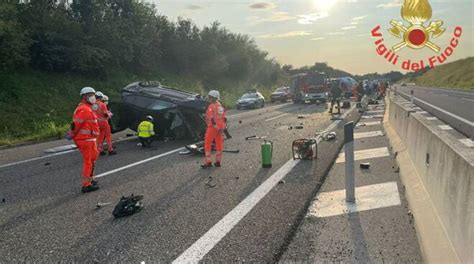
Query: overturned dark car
177, 114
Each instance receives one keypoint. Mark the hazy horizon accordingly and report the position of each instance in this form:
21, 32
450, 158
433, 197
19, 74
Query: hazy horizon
336, 32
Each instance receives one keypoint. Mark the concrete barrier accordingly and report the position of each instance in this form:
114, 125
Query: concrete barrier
443, 170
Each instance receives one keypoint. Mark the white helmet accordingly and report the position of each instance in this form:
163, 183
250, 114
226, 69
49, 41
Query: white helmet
214, 94
105, 98
87, 90
149, 118
99, 94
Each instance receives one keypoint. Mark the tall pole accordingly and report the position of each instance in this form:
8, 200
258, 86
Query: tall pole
349, 156
411, 98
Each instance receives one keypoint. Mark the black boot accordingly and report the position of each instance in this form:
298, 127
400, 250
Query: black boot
90, 188
112, 152
206, 165
217, 164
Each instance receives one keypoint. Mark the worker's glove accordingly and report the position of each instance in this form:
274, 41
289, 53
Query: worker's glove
68, 135
220, 130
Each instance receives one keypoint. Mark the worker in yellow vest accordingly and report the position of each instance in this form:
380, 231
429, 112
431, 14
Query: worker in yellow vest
146, 132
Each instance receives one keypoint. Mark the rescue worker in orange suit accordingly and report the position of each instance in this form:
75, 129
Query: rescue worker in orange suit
84, 132
108, 133
216, 123
100, 108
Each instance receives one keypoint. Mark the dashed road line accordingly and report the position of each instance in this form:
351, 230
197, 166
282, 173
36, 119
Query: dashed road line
273, 118
367, 197
368, 134
365, 154
373, 123
445, 127
432, 118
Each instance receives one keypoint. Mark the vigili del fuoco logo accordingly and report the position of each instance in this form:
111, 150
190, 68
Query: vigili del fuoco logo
415, 35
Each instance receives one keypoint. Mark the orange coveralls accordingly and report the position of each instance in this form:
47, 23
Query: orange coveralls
103, 119
85, 133
215, 119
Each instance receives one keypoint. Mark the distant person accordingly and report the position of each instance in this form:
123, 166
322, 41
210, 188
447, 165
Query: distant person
146, 132
84, 131
102, 113
336, 93
215, 120
108, 132
360, 91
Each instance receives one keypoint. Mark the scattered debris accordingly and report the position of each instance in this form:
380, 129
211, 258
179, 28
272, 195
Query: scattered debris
254, 138
282, 182
301, 117
47, 164
240, 121
128, 205
290, 128
249, 137
3, 200
210, 183
185, 152
129, 135
139, 144
231, 150
299, 127
99, 204
237, 177
361, 125
330, 136
365, 165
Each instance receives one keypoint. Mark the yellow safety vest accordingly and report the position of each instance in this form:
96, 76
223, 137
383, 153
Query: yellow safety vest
145, 129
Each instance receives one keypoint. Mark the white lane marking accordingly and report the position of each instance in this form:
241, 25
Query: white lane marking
422, 112
445, 127
467, 99
365, 154
368, 134
207, 242
375, 112
432, 118
52, 155
273, 118
210, 239
33, 159
444, 111
468, 142
373, 123
371, 116
138, 163
367, 198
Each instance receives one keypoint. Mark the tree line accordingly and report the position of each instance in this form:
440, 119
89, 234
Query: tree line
91, 37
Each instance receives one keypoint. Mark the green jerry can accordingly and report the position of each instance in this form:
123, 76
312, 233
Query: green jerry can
267, 152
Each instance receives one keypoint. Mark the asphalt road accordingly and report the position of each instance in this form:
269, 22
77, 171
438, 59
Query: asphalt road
45, 218
452, 106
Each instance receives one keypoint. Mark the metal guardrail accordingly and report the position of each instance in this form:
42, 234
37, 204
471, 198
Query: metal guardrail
462, 125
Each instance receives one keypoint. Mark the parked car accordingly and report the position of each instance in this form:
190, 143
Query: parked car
251, 99
281, 94
177, 114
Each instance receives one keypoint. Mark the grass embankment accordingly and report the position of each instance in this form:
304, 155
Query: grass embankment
35, 106
455, 75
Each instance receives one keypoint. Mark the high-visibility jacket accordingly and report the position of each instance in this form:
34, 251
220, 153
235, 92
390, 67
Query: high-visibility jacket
145, 129
215, 115
85, 122
102, 113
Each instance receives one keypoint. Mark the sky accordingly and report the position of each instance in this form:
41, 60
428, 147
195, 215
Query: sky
338, 32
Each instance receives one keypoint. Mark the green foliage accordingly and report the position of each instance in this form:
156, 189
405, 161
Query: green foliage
457, 74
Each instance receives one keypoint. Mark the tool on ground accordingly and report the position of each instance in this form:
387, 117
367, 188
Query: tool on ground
330, 136
306, 148
194, 149
365, 165
128, 205
99, 204
254, 138
267, 153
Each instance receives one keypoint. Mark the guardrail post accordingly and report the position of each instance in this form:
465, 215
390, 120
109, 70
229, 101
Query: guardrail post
349, 156
411, 98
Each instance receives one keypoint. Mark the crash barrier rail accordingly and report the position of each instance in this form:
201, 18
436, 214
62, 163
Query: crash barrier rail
462, 125
445, 168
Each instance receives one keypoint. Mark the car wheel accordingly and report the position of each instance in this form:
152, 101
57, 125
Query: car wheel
263, 104
238, 107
